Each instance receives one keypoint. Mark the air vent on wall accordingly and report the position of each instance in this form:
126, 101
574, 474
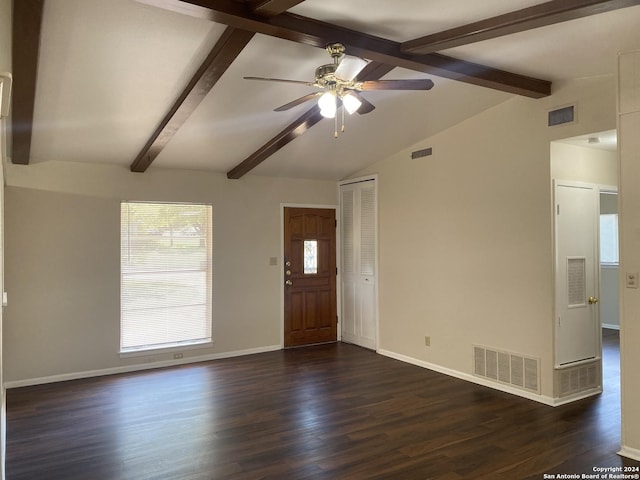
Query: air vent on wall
503, 367
578, 379
562, 115
425, 152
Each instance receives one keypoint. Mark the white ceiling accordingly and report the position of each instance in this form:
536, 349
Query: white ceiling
109, 71
599, 140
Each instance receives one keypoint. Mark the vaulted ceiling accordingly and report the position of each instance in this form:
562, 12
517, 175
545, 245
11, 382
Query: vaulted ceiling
159, 83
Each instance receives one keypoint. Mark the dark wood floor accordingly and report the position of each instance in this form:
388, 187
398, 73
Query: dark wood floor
324, 412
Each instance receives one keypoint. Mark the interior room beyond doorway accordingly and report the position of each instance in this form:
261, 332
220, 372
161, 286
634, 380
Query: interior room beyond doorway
592, 159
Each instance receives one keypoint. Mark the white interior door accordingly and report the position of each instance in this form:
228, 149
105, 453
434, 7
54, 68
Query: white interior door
577, 323
358, 273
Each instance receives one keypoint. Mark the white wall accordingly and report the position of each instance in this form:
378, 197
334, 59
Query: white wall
584, 164
63, 254
466, 234
5, 36
5, 66
610, 296
629, 204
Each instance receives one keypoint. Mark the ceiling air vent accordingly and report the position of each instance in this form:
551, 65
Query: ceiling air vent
562, 115
421, 153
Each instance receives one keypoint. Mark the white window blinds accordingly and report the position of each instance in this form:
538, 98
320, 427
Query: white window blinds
165, 286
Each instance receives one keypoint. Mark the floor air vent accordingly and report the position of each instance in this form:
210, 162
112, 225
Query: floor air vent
508, 368
578, 379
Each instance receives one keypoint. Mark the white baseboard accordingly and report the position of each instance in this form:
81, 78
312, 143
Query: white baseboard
611, 326
628, 452
138, 367
470, 378
576, 396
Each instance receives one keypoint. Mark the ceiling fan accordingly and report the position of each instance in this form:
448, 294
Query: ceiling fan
339, 85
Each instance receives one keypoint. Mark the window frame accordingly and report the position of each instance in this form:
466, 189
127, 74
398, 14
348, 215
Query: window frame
616, 240
182, 345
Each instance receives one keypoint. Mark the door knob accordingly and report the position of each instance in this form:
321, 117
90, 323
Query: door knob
592, 300
287, 273
289, 282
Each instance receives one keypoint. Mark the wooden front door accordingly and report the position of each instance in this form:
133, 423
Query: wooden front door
310, 312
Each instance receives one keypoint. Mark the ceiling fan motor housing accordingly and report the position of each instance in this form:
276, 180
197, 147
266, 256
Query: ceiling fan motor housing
325, 75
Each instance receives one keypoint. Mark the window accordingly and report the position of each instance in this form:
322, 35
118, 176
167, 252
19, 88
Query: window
310, 257
165, 275
609, 239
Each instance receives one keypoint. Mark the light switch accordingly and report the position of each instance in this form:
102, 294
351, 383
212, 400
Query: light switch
273, 261
632, 280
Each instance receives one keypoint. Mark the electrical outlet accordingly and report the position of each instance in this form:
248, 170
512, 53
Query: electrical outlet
632, 280
176, 356
427, 341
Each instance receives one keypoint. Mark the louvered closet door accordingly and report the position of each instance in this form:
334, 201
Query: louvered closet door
358, 227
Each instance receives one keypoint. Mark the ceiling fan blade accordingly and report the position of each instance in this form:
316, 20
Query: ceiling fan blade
350, 67
417, 84
297, 101
299, 82
366, 106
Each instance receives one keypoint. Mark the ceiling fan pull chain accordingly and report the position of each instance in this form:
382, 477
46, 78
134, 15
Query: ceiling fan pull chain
342, 129
335, 126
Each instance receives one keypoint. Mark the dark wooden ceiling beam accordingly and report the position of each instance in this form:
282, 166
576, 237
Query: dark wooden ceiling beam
224, 52
290, 133
269, 8
541, 15
27, 23
316, 33
373, 71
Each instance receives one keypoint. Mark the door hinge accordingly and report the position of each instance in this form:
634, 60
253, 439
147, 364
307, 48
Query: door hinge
335, 223
336, 270
558, 209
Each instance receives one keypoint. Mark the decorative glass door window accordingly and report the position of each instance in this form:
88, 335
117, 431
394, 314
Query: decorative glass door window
310, 257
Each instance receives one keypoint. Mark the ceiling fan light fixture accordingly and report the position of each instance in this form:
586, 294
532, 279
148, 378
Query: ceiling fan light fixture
328, 104
328, 113
340, 86
351, 103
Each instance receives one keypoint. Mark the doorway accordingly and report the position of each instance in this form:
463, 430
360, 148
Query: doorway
309, 276
589, 161
609, 260
610, 290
